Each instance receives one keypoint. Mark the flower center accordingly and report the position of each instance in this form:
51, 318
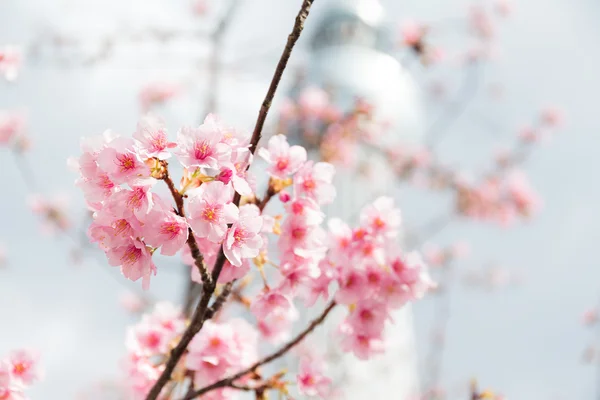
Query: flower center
126, 162
201, 150
282, 164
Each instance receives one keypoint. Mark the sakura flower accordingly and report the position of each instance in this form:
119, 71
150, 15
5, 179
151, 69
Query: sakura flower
220, 349
269, 302
314, 181
211, 209
363, 346
313, 102
10, 62
24, 366
243, 239
283, 160
131, 302
12, 125
201, 147
9, 389
121, 162
240, 159
381, 217
151, 138
53, 212
307, 210
137, 201
412, 272
157, 93
311, 381
165, 229
353, 285
135, 260
368, 317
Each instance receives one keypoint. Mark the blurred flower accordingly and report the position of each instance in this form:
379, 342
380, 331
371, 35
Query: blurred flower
10, 62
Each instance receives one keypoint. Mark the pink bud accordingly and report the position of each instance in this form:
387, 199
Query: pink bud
284, 196
225, 176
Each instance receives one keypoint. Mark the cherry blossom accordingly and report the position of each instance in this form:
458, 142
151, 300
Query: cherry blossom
155, 93
120, 160
314, 181
10, 62
25, 367
211, 209
202, 147
311, 380
243, 239
135, 260
283, 160
151, 138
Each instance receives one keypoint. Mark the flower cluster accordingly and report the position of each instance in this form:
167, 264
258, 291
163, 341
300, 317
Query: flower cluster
371, 276
148, 344
221, 349
131, 221
18, 371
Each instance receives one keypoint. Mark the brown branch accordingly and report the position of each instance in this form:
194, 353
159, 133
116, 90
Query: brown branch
221, 299
283, 350
266, 105
193, 245
209, 287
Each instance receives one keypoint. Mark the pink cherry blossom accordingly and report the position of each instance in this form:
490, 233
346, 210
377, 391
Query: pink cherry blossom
157, 93
165, 229
12, 125
220, 349
135, 260
121, 162
313, 102
314, 181
202, 147
9, 389
270, 301
243, 239
25, 366
381, 217
353, 287
363, 346
10, 62
283, 160
310, 379
210, 210
151, 138
131, 302
238, 165
368, 317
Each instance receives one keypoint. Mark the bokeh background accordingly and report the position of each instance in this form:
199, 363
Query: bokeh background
525, 341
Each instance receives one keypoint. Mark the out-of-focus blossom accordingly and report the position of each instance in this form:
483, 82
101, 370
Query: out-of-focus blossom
53, 211
10, 62
157, 93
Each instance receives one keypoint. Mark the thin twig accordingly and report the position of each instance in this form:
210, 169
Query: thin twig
283, 350
193, 245
199, 315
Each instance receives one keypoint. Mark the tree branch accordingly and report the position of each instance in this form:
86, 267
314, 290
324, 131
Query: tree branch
199, 315
283, 350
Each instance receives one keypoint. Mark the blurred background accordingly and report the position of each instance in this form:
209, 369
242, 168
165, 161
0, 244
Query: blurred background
510, 313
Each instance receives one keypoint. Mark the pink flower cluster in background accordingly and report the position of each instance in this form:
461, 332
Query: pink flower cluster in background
18, 372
